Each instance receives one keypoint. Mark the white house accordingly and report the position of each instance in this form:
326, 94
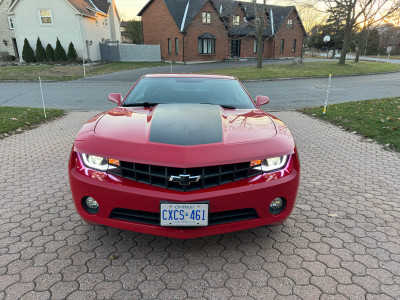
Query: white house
85, 23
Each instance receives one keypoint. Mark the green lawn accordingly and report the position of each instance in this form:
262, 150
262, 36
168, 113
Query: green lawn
308, 69
68, 72
17, 119
376, 119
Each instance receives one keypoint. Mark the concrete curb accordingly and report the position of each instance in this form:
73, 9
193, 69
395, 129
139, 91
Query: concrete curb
317, 77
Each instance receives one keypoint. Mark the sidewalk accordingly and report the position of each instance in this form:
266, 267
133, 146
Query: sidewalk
341, 242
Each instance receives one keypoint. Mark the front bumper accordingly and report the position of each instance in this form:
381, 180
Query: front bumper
116, 194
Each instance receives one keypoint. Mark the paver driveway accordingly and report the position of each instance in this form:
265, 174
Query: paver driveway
342, 240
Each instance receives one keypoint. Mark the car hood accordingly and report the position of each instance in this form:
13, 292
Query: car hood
186, 135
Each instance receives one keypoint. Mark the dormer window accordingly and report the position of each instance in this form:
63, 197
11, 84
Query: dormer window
206, 18
236, 20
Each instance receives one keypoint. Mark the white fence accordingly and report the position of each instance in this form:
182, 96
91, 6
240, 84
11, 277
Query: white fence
132, 52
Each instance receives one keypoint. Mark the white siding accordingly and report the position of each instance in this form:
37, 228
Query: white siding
67, 25
93, 35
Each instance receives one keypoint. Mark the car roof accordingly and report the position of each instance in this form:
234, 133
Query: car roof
186, 75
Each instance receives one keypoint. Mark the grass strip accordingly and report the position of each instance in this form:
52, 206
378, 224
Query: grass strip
18, 119
377, 119
307, 69
68, 72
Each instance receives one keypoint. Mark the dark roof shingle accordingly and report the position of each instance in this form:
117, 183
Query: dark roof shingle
225, 9
87, 7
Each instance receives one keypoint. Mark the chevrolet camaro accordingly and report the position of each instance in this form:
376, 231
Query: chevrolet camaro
184, 156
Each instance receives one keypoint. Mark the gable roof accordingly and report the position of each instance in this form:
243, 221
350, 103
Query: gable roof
177, 10
280, 13
85, 7
225, 9
91, 7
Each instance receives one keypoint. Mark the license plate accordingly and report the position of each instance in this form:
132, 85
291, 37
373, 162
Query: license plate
188, 214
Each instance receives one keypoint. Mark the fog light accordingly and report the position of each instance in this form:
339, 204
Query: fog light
90, 205
277, 205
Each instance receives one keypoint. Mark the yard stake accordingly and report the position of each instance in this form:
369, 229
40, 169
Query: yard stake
41, 91
84, 68
327, 92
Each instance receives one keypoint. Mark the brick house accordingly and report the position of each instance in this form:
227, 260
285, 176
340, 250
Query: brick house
212, 30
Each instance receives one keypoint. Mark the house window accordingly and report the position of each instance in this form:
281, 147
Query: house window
105, 22
169, 46
176, 46
97, 21
45, 17
206, 46
255, 46
236, 20
294, 46
206, 17
290, 24
282, 45
11, 22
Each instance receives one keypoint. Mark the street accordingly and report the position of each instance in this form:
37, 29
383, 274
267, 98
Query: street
91, 93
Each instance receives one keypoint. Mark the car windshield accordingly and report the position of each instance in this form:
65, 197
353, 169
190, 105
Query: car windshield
156, 90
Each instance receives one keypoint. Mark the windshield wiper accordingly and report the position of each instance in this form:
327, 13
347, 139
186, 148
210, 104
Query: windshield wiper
144, 104
222, 105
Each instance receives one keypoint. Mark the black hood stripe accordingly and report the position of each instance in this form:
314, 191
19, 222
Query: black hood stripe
186, 124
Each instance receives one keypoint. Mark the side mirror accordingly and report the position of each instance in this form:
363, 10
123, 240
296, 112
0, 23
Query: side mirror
261, 100
115, 97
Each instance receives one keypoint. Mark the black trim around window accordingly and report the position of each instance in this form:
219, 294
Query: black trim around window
206, 46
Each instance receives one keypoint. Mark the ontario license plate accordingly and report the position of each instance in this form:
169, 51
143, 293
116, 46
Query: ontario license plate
188, 214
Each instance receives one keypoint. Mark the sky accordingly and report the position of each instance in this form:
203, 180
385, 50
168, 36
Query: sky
128, 9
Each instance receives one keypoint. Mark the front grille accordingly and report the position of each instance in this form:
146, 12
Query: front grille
214, 218
210, 176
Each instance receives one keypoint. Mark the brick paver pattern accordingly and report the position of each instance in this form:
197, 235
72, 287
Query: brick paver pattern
341, 242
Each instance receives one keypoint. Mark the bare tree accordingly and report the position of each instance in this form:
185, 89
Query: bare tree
359, 12
259, 18
311, 16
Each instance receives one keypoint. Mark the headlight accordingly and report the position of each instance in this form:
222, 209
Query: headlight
100, 163
270, 164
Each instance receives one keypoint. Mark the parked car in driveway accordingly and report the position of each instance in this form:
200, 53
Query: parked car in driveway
184, 156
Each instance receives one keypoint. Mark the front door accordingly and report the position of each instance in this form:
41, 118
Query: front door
235, 48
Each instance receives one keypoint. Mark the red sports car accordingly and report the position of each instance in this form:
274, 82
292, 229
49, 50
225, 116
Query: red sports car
184, 156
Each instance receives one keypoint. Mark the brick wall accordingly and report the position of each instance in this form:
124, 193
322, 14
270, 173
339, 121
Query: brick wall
158, 27
216, 28
288, 35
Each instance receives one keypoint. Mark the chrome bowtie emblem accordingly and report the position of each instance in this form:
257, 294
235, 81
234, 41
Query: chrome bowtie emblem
184, 179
